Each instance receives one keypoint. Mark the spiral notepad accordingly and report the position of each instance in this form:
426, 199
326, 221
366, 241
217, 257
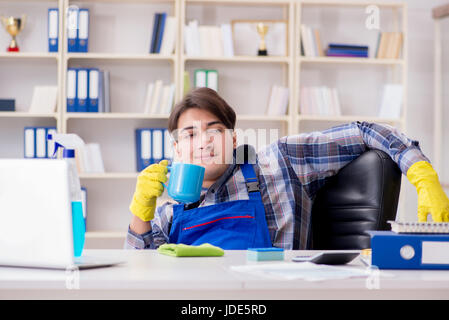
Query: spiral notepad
419, 227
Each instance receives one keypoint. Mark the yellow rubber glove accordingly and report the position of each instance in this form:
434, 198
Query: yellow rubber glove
148, 188
431, 196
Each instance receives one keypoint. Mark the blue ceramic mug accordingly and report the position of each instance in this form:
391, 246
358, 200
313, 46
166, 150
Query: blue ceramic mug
185, 181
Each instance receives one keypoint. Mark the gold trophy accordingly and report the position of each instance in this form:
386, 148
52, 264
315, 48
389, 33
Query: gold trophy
13, 26
262, 30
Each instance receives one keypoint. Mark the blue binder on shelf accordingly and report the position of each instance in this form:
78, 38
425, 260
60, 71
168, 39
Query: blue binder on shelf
50, 143
82, 92
156, 22
160, 32
168, 145
29, 143
83, 30
35, 142
157, 136
53, 29
40, 134
94, 86
143, 148
71, 89
72, 29
392, 250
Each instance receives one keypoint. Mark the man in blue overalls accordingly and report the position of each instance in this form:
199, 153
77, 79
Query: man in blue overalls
266, 200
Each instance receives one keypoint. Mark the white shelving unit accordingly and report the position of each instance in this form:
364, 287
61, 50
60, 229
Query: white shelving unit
348, 74
440, 15
119, 40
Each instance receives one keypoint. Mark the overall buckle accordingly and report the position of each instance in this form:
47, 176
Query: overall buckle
252, 186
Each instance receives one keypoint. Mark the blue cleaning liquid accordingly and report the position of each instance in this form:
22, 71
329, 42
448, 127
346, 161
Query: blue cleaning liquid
79, 228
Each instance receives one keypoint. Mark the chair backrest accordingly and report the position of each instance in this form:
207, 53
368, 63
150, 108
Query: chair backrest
361, 197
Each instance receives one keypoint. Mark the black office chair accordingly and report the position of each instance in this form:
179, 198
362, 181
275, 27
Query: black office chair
361, 197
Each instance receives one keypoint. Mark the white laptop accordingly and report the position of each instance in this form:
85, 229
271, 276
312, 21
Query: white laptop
36, 216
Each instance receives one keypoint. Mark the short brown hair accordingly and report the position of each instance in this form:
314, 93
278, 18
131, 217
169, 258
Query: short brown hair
204, 99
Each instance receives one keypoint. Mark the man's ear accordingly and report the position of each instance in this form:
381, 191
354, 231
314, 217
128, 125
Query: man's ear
177, 150
234, 139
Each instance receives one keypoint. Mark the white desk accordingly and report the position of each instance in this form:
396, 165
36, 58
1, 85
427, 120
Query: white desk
150, 275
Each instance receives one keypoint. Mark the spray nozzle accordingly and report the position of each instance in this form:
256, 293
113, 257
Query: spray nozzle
69, 142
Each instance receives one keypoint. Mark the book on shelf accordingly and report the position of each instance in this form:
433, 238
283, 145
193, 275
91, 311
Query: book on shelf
163, 34
88, 158
391, 101
44, 99
88, 90
311, 42
208, 40
186, 83
159, 98
347, 50
7, 105
389, 45
319, 101
278, 101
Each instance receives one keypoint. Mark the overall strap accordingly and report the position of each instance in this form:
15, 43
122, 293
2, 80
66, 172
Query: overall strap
252, 183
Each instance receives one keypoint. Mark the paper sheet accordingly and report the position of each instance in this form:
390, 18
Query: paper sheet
304, 270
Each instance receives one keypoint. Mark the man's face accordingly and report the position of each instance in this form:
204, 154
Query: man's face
202, 139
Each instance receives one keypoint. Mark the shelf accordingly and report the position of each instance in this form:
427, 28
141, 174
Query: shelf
128, 1
347, 118
15, 114
239, 2
29, 55
112, 115
350, 3
119, 56
347, 60
109, 175
253, 117
105, 234
256, 59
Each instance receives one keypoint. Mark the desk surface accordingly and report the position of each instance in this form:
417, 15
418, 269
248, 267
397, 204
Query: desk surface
147, 274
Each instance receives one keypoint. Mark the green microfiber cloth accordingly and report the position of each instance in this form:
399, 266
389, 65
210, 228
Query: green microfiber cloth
183, 250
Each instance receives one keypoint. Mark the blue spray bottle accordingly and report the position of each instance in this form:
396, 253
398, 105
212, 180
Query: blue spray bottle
69, 143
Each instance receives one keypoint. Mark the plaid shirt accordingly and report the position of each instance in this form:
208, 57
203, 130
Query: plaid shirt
290, 172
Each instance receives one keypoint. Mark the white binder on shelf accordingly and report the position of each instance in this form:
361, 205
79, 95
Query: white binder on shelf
83, 32
53, 28
212, 79
94, 83
200, 78
168, 145
41, 142
157, 136
50, 143
72, 29
71, 89
28, 142
82, 90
